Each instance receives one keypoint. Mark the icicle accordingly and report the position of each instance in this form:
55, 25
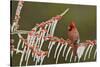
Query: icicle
67, 53
27, 51
46, 26
64, 50
19, 42
87, 51
41, 43
49, 44
42, 40
40, 35
54, 26
22, 56
13, 26
51, 28
71, 56
42, 58
90, 51
28, 55
12, 48
55, 23
36, 43
80, 50
38, 39
34, 57
50, 48
28, 38
33, 42
28, 41
95, 54
76, 59
59, 53
48, 29
56, 49
36, 60
12, 53
23, 45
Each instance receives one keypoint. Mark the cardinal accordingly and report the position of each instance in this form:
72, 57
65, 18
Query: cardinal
73, 35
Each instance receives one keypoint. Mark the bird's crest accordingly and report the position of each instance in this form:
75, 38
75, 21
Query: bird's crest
72, 25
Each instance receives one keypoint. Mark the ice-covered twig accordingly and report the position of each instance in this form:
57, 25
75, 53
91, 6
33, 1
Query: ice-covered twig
20, 32
64, 12
17, 16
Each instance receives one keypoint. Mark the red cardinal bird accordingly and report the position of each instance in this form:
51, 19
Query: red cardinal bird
73, 35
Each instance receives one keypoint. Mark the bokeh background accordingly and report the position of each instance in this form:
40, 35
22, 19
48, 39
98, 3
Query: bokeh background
36, 12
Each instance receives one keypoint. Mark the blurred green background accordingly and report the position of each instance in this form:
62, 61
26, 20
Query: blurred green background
36, 12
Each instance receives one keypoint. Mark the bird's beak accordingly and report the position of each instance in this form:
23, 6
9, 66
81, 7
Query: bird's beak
68, 27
